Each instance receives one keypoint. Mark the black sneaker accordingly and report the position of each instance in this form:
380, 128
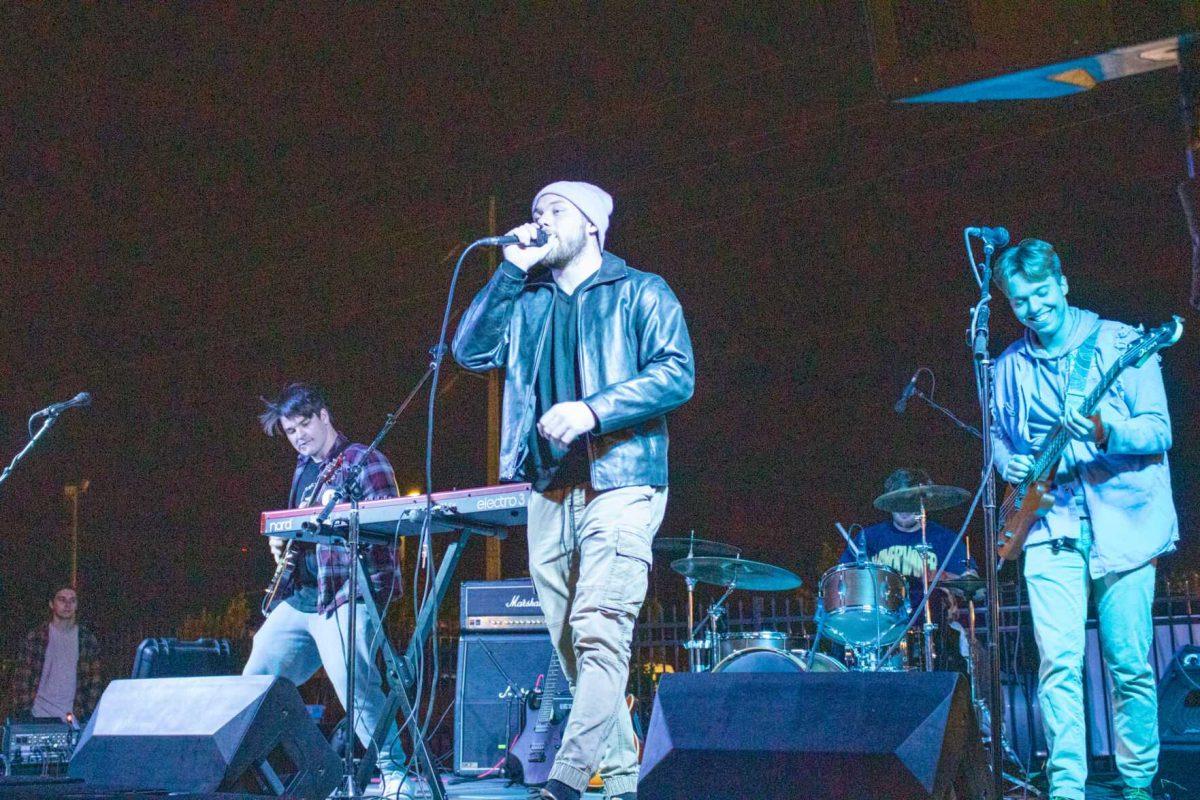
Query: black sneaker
557, 790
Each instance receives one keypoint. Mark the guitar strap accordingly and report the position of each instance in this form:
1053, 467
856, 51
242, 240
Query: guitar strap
1084, 355
293, 500
1077, 391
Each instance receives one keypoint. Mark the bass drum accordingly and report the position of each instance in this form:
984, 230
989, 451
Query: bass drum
767, 659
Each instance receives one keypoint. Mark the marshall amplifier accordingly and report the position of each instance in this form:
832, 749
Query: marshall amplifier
502, 650
497, 606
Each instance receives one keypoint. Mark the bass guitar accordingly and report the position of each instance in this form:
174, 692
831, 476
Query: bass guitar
1031, 499
287, 562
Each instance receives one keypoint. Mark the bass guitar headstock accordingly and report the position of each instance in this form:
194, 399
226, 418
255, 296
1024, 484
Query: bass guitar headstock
1152, 341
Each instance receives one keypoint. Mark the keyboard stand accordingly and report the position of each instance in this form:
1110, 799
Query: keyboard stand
401, 673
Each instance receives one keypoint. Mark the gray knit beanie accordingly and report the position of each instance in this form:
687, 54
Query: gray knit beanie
595, 203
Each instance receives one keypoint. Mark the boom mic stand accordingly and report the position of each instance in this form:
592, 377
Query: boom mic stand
50, 418
980, 318
350, 489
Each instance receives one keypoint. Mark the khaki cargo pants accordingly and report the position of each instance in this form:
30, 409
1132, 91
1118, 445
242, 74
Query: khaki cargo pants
589, 556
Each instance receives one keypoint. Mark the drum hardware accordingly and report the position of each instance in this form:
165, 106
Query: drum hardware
859, 555
730, 643
983, 716
731, 573
968, 583
703, 653
699, 650
920, 500
691, 547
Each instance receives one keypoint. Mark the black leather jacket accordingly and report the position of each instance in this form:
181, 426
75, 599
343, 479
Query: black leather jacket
635, 364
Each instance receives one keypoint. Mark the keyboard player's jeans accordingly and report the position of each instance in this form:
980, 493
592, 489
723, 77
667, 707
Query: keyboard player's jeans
589, 555
294, 644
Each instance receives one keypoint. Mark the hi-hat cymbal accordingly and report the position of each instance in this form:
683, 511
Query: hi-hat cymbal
684, 546
910, 500
967, 583
737, 572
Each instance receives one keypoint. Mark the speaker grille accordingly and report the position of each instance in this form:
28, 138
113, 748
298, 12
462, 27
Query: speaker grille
484, 721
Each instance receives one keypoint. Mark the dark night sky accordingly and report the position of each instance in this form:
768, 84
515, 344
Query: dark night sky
201, 203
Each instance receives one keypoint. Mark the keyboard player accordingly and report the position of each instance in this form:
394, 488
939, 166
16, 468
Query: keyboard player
303, 631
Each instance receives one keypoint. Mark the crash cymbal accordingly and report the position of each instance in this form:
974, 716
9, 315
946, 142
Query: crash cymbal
968, 583
737, 572
684, 546
909, 500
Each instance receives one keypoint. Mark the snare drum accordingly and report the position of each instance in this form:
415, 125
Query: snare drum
768, 659
864, 604
730, 643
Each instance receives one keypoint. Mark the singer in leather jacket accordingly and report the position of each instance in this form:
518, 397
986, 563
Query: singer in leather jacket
596, 354
635, 364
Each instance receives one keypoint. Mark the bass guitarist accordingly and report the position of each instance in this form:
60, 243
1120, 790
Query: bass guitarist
1112, 514
305, 626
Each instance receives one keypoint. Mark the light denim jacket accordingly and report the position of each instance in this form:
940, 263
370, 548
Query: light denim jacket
1126, 486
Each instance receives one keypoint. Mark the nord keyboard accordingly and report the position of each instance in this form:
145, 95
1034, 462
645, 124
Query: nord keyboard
488, 509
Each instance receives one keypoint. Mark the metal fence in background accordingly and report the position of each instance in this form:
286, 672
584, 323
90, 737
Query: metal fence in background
658, 649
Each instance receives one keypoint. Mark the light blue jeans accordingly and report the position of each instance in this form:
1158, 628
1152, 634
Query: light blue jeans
294, 644
1059, 585
589, 556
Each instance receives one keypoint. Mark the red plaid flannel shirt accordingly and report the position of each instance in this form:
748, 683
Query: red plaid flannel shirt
333, 561
27, 672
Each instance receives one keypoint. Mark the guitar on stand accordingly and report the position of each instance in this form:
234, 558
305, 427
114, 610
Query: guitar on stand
1032, 498
532, 753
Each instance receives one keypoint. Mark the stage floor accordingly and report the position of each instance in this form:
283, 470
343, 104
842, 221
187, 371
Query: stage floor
1102, 787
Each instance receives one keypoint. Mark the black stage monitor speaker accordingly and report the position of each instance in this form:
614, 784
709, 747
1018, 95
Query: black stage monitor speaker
1179, 725
215, 734
857, 736
486, 711
164, 657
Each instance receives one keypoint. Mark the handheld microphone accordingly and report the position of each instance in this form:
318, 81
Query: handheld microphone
499, 241
996, 237
909, 390
81, 399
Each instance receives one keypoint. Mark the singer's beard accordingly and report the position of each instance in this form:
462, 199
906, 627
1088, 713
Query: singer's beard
565, 251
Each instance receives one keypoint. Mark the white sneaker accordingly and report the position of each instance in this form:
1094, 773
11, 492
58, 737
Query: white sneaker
398, 786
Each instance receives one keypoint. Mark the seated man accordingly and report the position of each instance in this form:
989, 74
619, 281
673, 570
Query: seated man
895, 543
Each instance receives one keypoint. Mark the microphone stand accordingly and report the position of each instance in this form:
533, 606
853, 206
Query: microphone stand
983, 371
350, 489
50, 418
960, 424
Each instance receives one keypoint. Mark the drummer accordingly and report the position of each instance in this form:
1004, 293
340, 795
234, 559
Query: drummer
896, 542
